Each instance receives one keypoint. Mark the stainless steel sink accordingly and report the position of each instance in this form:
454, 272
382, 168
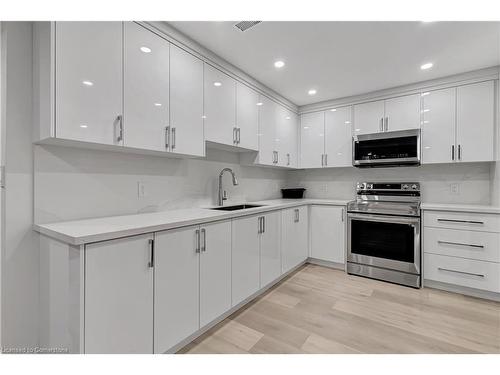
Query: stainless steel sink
236, 207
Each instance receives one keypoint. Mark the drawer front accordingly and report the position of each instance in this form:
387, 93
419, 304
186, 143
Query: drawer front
462, 243
462, 220
464, 272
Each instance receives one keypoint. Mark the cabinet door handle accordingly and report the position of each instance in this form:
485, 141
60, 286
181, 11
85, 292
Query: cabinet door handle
263, 224
453, 152
461, 221
386, 123
151, 262
197, 239
459, 152
288, 159
381, 124
461, 272
167, 136
460, 244
297, 215
259, 225
173, 138
322, 160
119, 120
342, 215
204, 242
238, 135
235, 137
277, 157
326, 160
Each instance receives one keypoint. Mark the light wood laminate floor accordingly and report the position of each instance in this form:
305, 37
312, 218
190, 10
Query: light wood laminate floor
321, 310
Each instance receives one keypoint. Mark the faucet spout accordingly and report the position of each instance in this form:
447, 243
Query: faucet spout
222, 197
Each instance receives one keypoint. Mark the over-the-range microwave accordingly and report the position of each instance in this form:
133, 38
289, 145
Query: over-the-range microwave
386, 149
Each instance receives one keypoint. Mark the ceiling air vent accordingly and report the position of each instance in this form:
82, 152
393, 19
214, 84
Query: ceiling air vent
245, 25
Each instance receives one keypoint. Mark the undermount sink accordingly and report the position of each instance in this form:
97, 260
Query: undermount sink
236, 207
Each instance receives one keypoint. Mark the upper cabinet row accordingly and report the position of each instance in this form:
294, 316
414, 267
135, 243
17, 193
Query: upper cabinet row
114, 83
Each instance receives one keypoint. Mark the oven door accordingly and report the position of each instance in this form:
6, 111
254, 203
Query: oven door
384, 241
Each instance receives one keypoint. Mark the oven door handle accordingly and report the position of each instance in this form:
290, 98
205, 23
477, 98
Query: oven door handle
385, 218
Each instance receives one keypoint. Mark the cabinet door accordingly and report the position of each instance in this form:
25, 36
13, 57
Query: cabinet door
402, 113
270, 249
119, 296
89, 81
438, 126
476, 122
186, 103
368, 117
245, 258
327, 233
247, 117
312, 140
268, 112
215, 271
146, 88
176, 291
294, 237
338, 137
286, 137
220, 107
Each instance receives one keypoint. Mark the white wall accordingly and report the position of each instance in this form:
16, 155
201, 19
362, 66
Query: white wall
76, 183
20, 258
473, 180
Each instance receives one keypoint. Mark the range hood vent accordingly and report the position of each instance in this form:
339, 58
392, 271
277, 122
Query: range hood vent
245, 25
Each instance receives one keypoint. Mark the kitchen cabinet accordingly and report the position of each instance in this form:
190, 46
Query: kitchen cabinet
88, 84
476, 122
328, 233
215, 270
220, 107
245, 257
338, 138
268, 113
247, 117
119, 296
459, 124
286, 138
312, 140
270, 249
400, 113
146, 88
438, 126
294, 237
186, 134
177, 288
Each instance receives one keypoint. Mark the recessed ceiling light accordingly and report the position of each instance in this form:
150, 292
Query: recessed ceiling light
312, 92
88, 83
279, 64
217, 84
157, 104
426, 66
347, 122
425, 110
333, 110
145, 49
84, 126
424, 93
203, 117
287, 118
259, 103
306, 127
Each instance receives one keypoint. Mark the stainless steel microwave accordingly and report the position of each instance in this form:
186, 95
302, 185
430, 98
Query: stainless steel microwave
385, 149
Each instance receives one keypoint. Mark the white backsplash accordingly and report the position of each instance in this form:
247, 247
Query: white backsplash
473, 180
73, 183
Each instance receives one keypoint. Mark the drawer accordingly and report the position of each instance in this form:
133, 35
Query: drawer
462, 220
462, 243
464, 272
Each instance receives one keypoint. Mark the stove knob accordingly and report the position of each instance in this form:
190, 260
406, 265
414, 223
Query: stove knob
405, 186
369, 186
414, 187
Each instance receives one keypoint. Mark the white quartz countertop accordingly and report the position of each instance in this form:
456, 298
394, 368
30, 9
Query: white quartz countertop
478, 208
80, 232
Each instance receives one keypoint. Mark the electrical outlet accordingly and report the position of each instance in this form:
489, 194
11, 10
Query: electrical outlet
455, 188
141, 189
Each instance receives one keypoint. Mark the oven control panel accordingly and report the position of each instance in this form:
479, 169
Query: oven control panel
388, 186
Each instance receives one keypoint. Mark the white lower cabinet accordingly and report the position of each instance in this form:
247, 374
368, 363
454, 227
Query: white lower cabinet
177, 287
270, 249
294, 237
215, 270
245, 257
328, 233
119, 296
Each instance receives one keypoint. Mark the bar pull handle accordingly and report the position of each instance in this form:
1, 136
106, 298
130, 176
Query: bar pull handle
322, 160
461, 244
197, 235
277, 157
204, 242
386, 123
259, 225
263, 224
297, 217
461, 221
238, 136
342, 215
381, 127
461, 272
288, 159
167, 137
235, 137
173, 138
119, 120
326, 160
453, 152
459, 152
151, 262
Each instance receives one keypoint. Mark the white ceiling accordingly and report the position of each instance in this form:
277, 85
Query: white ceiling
347, 58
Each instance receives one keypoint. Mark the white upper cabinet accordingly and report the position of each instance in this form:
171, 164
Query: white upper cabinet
438, 126
88, 89
338, 137
286, 138
369, 117
247, 117
220, 107
476, 122
312, 140
268, 112
186, 103
146, 88
402, 113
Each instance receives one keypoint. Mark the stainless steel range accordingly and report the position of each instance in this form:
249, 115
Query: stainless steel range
383, 232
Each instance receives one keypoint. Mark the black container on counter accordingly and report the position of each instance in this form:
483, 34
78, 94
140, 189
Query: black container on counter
296, 193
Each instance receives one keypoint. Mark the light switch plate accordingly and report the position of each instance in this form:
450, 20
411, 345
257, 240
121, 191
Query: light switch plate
455, 188
141, 189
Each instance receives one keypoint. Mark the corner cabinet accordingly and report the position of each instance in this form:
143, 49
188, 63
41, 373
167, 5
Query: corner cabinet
328, 233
